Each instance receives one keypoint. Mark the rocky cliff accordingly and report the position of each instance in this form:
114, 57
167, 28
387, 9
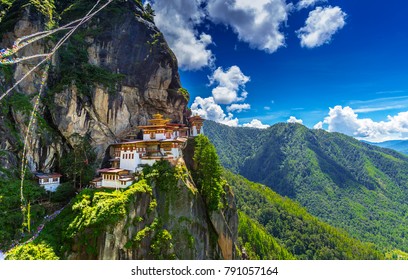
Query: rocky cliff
161, 217
113, 74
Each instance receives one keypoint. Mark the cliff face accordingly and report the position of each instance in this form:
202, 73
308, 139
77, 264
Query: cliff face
161, 223
113, 74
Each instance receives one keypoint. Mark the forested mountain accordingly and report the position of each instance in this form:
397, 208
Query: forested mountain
349, 184
234, 145
271, 225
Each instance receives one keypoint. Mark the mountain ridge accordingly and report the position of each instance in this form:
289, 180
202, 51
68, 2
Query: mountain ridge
397, 145
349, 184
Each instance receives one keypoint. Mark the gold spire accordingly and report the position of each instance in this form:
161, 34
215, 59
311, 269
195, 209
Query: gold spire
158, 120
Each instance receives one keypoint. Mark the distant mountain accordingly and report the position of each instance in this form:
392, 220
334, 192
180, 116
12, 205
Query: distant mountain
349, 184
398, 145
273, 227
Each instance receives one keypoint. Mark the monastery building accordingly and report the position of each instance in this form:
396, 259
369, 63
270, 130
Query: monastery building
162, 140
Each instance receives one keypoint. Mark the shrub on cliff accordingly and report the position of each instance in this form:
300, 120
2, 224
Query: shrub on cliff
208, 173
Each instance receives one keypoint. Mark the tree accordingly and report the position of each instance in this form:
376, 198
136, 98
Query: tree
149, 12
32, 251
208, 173
79, 164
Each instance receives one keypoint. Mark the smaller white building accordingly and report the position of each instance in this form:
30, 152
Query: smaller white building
115, 178
196, 126
50, 181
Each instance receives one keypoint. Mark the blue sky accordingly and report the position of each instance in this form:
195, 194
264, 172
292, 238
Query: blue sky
336, 65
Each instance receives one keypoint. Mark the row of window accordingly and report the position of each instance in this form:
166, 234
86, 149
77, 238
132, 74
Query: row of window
168, 135
109, 177
50, 180
128, 156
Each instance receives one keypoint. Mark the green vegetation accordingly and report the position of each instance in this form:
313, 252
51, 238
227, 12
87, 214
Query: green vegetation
162, 175
90, 213
8, 15
185, 93
79, 164
162, 245
349, 184
6, 71
93, 212
6, 3
10, 208
20, 103
207, 173
47, 8
289, 227
258, 243
397, 255
64, 192
234, 145
31, 252
148, 13
9, 11
74, 68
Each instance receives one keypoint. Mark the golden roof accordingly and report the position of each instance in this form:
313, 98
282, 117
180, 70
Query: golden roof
158, 120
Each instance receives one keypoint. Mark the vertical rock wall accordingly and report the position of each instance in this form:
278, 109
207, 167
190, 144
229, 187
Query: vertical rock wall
119, 42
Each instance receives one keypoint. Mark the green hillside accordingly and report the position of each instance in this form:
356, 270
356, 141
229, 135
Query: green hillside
257, 243
290, 227
349, 184
234, 145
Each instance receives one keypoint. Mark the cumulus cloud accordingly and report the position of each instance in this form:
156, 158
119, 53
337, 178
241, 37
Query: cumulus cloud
238, 107
346, 121
208, 109
255, 123
302, 4
178, 21
319, 125
321, 25
293, 119
256, 22
230, 85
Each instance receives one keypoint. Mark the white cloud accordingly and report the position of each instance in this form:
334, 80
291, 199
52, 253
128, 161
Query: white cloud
346, 121
238, 107
208, 109
377, 109
379, 104
178, 21
256, 22
319, 125
293, 119
255, 123
308, 3
342, 120
230, 85
267, 108
321, 25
